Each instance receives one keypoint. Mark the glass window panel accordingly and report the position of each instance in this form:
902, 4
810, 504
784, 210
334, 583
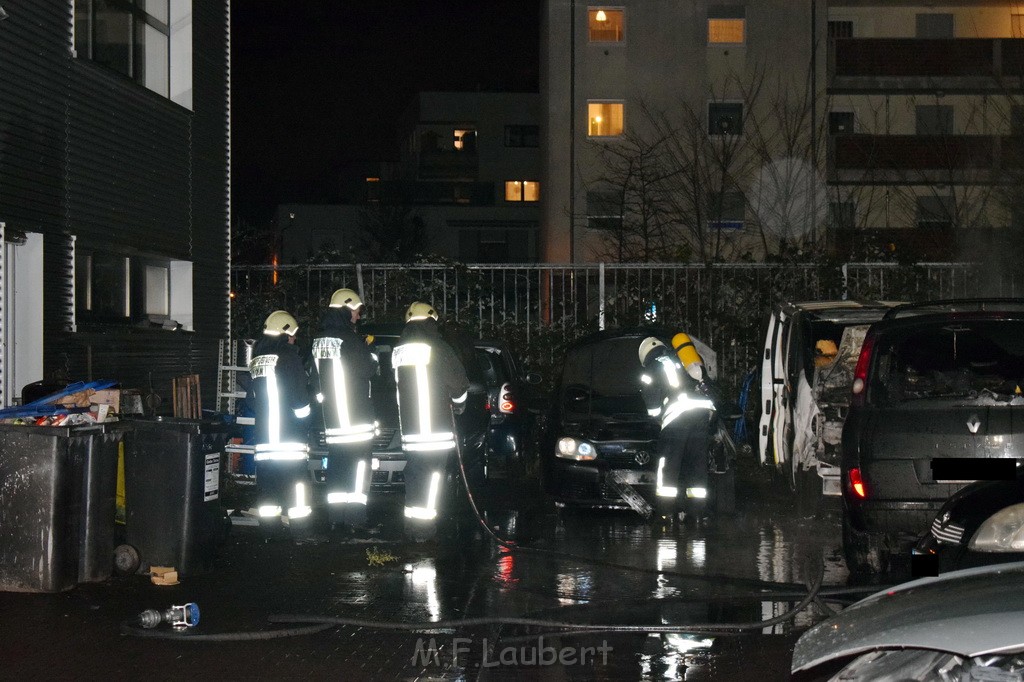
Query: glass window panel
513, 190
604, 119
82, 30
727, 31
725, 118
112, 30
151, 58
1017, 25
606, 25
154, 8
157, 290
531, 191
108, 288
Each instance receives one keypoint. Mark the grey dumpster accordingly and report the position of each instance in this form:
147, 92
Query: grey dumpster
173, 515
57, 506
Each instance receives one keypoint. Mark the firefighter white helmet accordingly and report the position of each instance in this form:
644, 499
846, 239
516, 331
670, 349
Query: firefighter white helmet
420, 311
648, 345
280, 322
346, 298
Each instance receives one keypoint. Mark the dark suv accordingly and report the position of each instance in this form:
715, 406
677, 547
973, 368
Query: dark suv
938, 387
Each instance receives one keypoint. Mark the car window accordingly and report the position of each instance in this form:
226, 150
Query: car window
604, 379
954, 359
493, 367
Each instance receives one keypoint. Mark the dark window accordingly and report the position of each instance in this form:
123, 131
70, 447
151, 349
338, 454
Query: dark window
604, 211
840, 29
934, 119
935, 25
1017, 120
133, 37
102, 285
497, 245
840, 122
725, 118
522, 136
935, 212
841, 215
726, 211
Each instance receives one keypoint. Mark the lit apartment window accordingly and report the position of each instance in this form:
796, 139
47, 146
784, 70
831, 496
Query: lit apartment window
465, 140
606, 25
605, 119
725, 118
726, 211
522, 190
149, 41
604, 210
1017, 25
727, 25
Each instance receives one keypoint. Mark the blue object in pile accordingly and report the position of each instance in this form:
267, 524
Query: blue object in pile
44, 407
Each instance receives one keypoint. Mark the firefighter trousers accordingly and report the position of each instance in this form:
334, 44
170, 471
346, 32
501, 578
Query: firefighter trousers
284, 483
683, 463
348, 483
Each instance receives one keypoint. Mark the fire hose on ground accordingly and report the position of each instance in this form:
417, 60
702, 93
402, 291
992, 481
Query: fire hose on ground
312, 624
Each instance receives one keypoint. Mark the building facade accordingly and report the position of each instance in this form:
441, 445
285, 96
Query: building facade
114, 191
743, 130
466, 186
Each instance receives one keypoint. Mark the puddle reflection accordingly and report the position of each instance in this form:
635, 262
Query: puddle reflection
423, 579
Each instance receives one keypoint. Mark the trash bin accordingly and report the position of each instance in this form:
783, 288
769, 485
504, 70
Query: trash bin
173, 515
57, 505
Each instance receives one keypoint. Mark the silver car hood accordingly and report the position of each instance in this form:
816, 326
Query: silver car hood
969, 613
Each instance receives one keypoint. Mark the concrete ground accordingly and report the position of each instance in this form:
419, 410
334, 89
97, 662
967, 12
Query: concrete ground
77, 634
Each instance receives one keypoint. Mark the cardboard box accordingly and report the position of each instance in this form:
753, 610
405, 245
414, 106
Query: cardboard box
108, 396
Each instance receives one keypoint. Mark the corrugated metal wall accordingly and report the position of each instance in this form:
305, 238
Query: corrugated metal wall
86, 152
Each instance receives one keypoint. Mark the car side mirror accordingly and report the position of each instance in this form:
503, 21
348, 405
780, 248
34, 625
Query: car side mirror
534, 379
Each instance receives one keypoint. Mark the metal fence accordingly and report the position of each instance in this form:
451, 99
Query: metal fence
540, 307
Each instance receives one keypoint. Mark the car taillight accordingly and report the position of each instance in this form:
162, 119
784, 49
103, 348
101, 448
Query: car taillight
506, 404
860, 372
857, 484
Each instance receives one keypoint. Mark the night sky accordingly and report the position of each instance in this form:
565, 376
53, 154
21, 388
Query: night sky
319, 83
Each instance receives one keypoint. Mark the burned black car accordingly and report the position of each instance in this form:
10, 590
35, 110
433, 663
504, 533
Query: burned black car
600, 446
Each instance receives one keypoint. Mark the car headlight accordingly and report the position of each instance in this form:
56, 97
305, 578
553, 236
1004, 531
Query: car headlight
1001, 532
573, 448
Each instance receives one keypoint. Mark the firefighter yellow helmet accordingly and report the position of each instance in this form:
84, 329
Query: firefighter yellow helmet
420, 311
280, 322
346, 298
647, 346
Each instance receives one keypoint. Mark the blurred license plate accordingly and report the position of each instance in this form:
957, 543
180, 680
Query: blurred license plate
633, 477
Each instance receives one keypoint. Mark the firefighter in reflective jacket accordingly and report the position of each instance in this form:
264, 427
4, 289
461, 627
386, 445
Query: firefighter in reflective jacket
280, 396
344, 366
432, 383
671, 395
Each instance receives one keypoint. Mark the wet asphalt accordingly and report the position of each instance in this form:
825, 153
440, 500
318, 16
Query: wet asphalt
721, 562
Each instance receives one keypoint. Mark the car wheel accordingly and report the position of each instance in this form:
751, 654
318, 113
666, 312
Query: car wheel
126, 560
864, 552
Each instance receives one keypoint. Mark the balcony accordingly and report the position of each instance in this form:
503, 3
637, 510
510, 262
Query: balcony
914, 152
908, 64
447, 164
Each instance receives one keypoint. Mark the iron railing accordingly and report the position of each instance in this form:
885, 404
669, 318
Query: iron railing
540, 307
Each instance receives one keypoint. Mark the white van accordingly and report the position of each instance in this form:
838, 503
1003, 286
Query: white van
810, 352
